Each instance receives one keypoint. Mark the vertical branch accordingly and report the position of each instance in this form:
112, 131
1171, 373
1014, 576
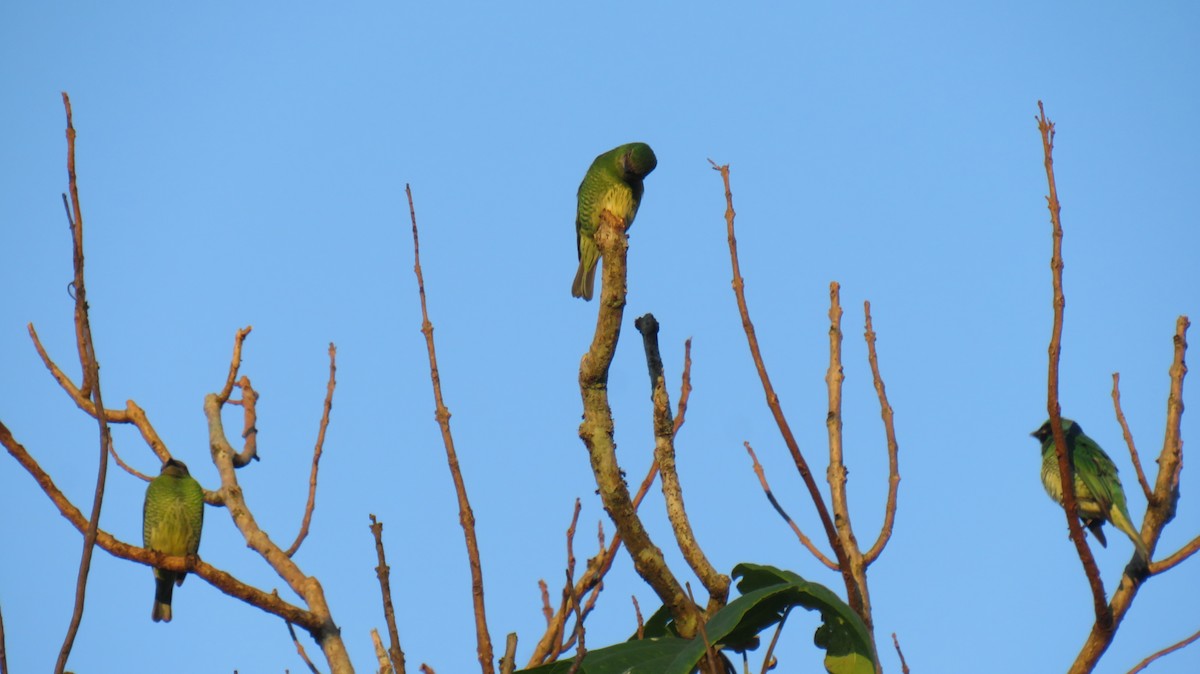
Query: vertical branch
465, 515
716, 583
383, 573
596, 431
836, 472
1065, 468
90, 388
854, 598
885, 411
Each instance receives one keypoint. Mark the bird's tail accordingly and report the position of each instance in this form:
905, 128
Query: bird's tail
585, 280
1121, 521
163, 586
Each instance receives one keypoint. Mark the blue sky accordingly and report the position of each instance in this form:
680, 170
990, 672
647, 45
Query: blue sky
246, 166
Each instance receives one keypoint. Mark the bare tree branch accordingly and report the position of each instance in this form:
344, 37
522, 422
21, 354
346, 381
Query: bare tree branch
804, 540
854, 597
90, 366
465, 515
1065, 467
596, 431
1133, 453
383, 573
885, 411
312, 476
1169, 649
300, 649
716, 583
219, 579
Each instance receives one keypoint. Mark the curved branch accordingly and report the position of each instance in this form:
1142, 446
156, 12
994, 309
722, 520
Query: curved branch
885, 411
327, 633
132, 414
312, 476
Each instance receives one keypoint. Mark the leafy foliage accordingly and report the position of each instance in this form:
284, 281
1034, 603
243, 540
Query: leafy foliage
767, 596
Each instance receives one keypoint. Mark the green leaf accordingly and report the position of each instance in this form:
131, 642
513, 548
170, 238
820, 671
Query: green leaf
768, 594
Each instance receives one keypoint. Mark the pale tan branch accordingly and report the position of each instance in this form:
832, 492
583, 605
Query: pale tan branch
320, 446
596, 431
235, 364
465, 515
716, 583
854, 598
132, 414
1133, 453
885, 411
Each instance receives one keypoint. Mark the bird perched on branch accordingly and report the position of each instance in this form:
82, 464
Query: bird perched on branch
1098, 492
172, 517
613, 183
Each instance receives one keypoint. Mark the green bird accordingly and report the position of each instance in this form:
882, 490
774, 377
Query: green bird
613, 182
171, 521
1098, 491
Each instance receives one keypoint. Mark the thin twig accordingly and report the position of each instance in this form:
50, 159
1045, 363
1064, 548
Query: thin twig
1169, 649
739, 285
1065, 467
903, 664
383, 573
709, 654
769, 657
1160, 565
637, 612
234, 364
579, 632
381, 655
465, 515
90, 366
132, 414
885, 411
804, 540
1133, 453
300, 649
312, 476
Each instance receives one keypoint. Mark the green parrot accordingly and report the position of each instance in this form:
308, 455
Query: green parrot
171, 521
1098, 491
613, 182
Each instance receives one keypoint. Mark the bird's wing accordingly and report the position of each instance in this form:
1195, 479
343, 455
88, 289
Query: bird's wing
1098, 473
